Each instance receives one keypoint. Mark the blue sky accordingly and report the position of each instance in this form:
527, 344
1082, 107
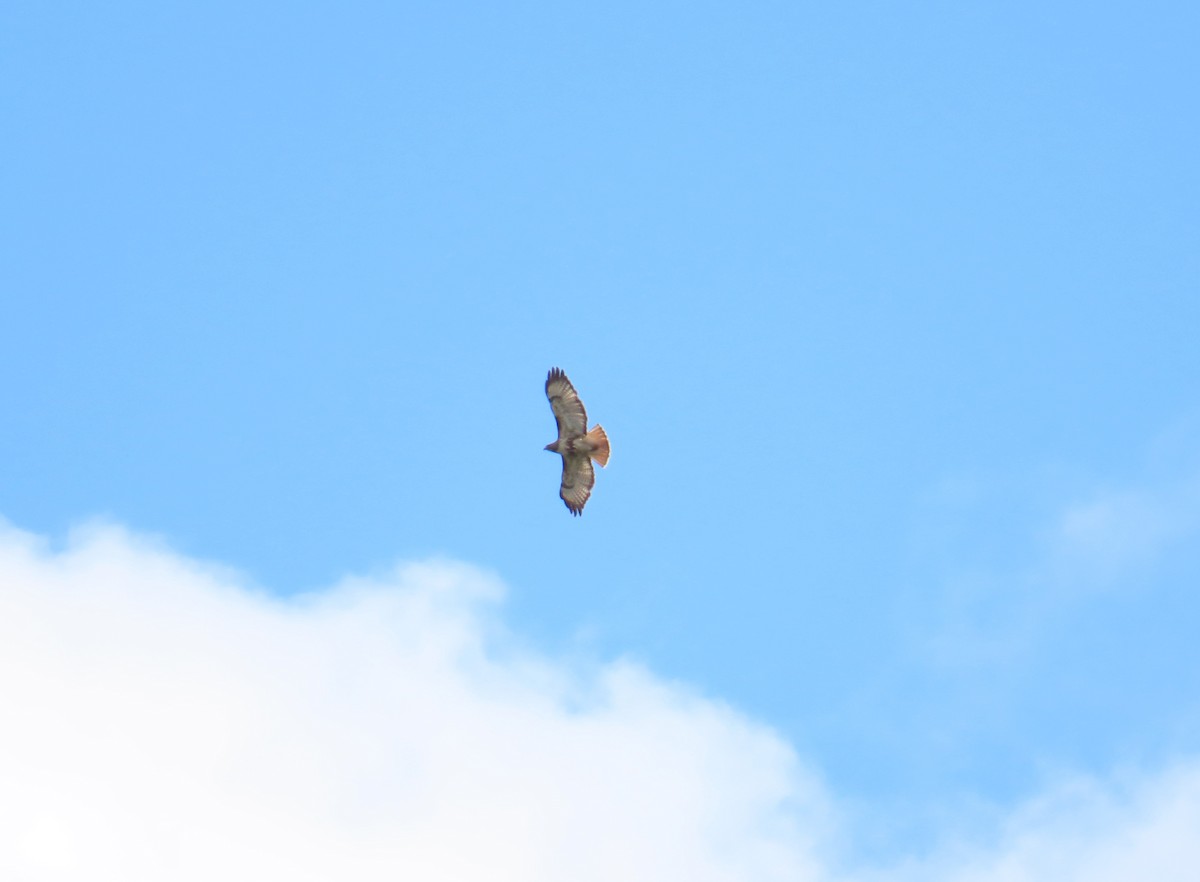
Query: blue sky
890, 314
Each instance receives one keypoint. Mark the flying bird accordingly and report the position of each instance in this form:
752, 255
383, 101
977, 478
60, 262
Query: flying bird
576, 445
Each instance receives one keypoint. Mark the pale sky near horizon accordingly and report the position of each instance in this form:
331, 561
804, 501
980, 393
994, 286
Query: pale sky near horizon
890, 313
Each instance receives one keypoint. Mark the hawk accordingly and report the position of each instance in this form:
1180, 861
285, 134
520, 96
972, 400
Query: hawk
576, 445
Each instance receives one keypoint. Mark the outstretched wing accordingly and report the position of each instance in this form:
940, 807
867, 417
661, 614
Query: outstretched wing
568, 409
577, 481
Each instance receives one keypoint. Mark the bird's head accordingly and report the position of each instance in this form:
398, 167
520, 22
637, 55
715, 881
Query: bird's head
552, 447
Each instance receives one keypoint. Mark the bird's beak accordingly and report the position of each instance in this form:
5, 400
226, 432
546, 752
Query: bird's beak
549, 446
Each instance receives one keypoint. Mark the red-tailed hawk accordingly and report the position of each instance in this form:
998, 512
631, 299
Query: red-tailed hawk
577, 446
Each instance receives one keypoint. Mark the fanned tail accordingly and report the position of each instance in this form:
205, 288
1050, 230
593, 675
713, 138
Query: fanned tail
599, 444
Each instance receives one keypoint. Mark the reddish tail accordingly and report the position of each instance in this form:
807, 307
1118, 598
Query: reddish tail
599, 443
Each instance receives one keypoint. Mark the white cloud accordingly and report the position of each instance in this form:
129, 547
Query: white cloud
1104, 537
1133, 828
1110, 541
163, 721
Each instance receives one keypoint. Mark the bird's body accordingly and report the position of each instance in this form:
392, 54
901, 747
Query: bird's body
575, 443
581, 444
